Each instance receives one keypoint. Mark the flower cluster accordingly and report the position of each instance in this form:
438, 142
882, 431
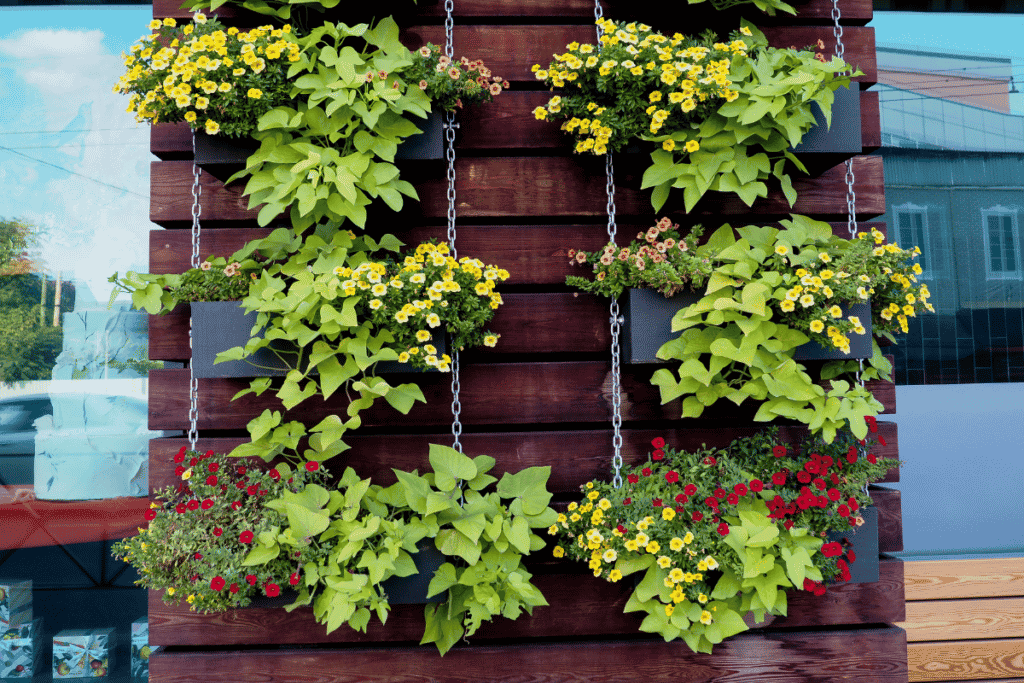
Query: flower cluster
816, 281
678, 507
203, 528
452, 84
430, 291
637, 83
213, 280
658, 259
220, 80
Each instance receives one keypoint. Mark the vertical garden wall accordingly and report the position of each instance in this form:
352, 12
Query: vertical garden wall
543, 396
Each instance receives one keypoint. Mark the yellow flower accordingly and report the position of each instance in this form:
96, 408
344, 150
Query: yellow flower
702, 599
642, 539
653, 547
170, 591
668, 145
212, 127
254, 93
781, 249
190, 116
187, 474
433, 320
610, 555
667, 514
191, 599
632, 545
540, 113
614, 575
491, 340
692, 145
604, 503
787, 306
669, 609
817, 326
154, 25
664, 562
705, 617
676, 544
712, 563
558, 551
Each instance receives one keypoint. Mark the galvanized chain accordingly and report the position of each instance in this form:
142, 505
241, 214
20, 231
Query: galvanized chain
449, 134
598, 16
193, 383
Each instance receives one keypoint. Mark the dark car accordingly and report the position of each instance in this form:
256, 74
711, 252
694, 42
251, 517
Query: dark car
17, 436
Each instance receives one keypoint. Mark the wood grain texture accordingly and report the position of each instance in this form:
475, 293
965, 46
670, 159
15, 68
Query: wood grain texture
972, 619
945, 579
588, 451
579, 606
517, 187
855, 12
492, 394
890, 518
505, 123
971, 660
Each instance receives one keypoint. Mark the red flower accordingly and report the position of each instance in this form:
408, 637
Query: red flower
627, 501
732, 499
212, 480
811, 467
723, 529
233, 588
827, 461
251, 579
851, 556
193, 462
646, 471
788, 524
851, 455
312, 466
217, 583
658, 454
803, 477
843, 511
239, 484
242, 470
740, 489
697, 516
193, 504
632, 478
834, 478
621, 529
872, 459
656, 502
831, 549
179, 470
274, 474
272, 589
779, 478
756, 485
212, 467
263, 492
245, 536
720, 493
217, 531
834, 494
809, 585
658, 442
682, 498
252, 489
198, 556
821, 501
294, 579
711, 502
710, 460
150, 514
180, 457
881, 440
690, 489
671, 476
207, 504
180, 508
819, 483
236, 505
854, 505
779, 451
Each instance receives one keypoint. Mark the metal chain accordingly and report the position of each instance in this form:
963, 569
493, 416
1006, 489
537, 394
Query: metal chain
449, 134
598, 16
193, 383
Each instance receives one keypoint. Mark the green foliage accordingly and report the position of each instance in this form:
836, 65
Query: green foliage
214, 280
16, 238
29, 344
738, 341
331, 154
767, 6
719, 533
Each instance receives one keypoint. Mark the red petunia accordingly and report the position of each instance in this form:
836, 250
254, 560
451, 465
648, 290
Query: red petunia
854, 505
274, 474
294, 579
233, 588
740, 489
811, 467
872, 459
690, 489
819, 483
207, 504
211, 480
179, 470
671, 476
788, 524
851, 455
809, 585
239, 484
250, 579
831, 549
779, 451
646, 471
208, 454
198, 556
193, 504
263, 492
851, 556
627, 501
245, 536
834, 495
212, 467
658, 442
711, 502
682, 498
834, 478
843, 511
656, 502
217, 531
272, 589
242, 470
621, 529
720, 493
881, 440
193, 462
217, 583
732, 499
756, 485
236, 505
180, 508
312, 466
710, 460
658, 454
723, 529
827, 461
697, 516
803, 477
252, 489
150, 514
632, 478
180, 457
779, 478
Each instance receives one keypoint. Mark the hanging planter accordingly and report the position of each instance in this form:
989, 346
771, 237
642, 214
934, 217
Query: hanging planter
844, 135
412, 589
430, 144
863, 541
220, 325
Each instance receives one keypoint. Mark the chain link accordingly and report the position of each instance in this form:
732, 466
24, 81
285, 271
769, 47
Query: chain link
193, 383
449, 135
598, 16
837, 30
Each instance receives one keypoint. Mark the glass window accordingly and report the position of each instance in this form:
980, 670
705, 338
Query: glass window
1001, 243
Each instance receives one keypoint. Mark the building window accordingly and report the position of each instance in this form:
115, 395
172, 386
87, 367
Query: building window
912, 229
1002, 244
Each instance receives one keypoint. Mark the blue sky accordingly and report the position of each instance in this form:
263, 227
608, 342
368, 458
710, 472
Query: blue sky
71, 159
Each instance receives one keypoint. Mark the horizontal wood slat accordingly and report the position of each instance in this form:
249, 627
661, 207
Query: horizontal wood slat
964, 619
579, 606
972, 660
853, 11
506, 123
533, 254
514, 187
588, 451
872, 656
945, 579
492, 394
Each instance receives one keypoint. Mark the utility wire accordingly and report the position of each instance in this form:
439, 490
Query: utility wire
75, 173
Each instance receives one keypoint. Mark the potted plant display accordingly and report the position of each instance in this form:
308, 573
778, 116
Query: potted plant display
722, 532
721, 115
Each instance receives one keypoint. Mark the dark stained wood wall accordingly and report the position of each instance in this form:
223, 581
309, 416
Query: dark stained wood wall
543, 396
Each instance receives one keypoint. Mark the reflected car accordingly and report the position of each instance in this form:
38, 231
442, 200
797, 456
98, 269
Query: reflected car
17, 436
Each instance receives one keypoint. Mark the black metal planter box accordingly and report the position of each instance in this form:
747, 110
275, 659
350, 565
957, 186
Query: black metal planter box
844, 136
430, 144
412, 590
648, 326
